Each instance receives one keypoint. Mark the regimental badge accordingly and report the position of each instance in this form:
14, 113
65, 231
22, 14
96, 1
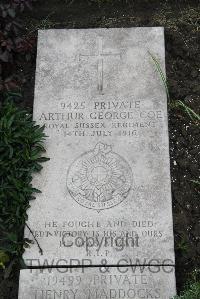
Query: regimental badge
99, 179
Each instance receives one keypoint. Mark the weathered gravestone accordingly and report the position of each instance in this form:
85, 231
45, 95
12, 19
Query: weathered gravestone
106, 195
114, 283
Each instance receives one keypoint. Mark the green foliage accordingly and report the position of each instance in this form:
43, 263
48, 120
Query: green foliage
192, 292
178, 103
193, 115
196, 182
182, 245
192, 289
21, 147
4, 259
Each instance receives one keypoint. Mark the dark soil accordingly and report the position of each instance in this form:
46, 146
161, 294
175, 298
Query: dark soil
181, 20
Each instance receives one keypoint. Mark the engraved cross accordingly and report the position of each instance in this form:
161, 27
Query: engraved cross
100, 56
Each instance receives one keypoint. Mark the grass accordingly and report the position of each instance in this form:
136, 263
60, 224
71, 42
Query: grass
192, 288
161, 73
191, 292
191, 113
177, 103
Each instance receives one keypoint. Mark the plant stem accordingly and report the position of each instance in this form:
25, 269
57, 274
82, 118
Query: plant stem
40, 249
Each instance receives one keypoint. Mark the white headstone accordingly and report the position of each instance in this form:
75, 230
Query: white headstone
106, 189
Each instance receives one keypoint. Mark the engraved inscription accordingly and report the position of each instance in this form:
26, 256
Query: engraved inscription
100, 56
99, 179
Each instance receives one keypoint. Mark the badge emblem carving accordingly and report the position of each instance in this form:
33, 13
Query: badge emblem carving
99, 179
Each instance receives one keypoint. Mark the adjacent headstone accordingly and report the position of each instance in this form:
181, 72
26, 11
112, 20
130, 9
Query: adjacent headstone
93, 283
106, 190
